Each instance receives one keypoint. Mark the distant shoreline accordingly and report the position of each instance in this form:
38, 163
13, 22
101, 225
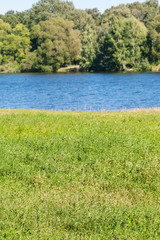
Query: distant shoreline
66, 70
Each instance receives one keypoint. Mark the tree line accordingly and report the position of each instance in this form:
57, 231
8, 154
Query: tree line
54, 34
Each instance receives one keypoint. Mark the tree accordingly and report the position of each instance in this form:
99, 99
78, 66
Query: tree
122, 47
145, 12
14, 43
56, 43
46, 9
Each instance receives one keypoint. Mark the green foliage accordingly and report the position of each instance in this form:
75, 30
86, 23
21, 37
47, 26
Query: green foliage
120, 11
47, 9
122, 46
96, 15
53, 34
11, 18
29, 64
145, 12
79, 175
144, 66
154, 40
89, 46
57, 43
14, 43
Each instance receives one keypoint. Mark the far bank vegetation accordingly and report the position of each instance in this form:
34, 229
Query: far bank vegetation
54, 35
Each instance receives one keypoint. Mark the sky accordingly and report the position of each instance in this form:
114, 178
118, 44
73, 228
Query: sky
20, 5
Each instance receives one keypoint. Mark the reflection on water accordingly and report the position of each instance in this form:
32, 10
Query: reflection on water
89, 92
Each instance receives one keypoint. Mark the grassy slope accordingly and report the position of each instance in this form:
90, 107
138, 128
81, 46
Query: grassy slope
67, 175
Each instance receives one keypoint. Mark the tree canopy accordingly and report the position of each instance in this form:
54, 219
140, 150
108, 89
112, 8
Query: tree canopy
54, 34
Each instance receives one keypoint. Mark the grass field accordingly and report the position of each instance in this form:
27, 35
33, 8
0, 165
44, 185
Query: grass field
76, 175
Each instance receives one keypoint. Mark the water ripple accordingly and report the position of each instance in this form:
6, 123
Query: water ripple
89, 92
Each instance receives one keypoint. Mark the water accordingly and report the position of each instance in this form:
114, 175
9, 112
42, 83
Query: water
87, 92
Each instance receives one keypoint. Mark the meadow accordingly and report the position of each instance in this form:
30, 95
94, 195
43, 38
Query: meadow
79, 175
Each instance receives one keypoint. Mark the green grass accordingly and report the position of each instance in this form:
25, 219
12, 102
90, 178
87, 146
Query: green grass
75, 175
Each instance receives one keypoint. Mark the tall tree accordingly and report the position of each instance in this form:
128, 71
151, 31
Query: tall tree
123, 45
56, 43
14, 43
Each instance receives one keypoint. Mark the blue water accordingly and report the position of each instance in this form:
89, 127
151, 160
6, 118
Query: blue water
87, 92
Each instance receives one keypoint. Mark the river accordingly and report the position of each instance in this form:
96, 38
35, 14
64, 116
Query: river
81, 91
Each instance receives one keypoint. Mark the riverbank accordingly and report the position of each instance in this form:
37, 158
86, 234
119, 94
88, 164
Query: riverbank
79, 175
15, 68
